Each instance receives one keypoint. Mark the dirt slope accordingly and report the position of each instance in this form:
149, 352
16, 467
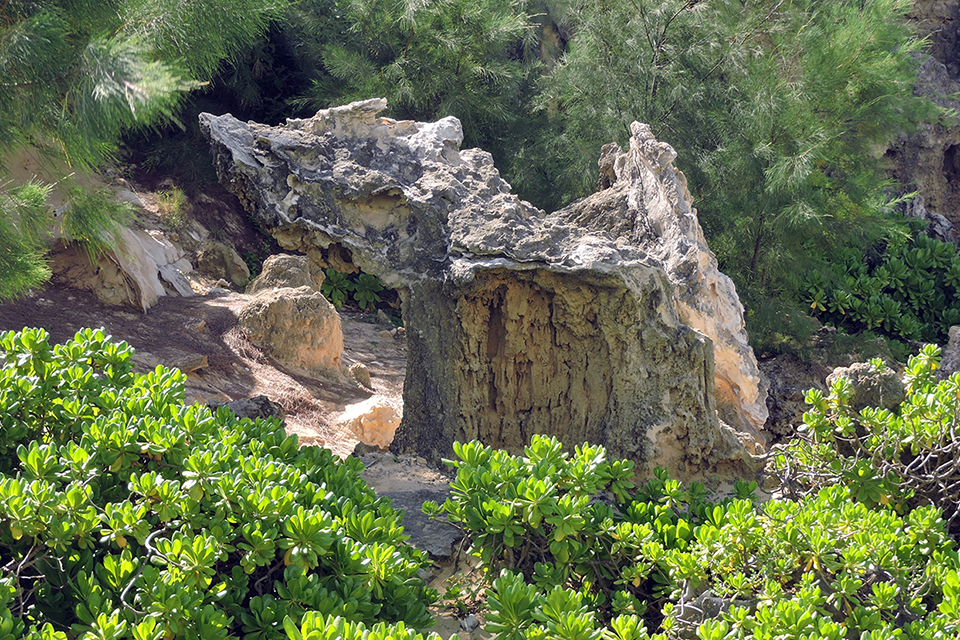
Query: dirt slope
180, 331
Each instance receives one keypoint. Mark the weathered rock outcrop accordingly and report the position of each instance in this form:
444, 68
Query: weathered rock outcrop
950, 355
605, 321
870, 386
928, 161
130, 275
790, 378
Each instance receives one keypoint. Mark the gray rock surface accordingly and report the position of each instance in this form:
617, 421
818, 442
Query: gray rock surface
218, 260
253, 408
606, 321
790, 379
950, 354
409, 482
928, 160
872, 387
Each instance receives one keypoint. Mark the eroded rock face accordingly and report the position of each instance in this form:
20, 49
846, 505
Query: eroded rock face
928, 161
129, 275
950, 355
590, 323
218, 260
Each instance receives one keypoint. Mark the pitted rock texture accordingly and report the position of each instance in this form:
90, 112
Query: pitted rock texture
950, 355
373, 421
602, 321
287, 271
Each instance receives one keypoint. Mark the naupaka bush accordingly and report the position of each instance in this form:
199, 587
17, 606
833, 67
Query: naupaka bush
126, 514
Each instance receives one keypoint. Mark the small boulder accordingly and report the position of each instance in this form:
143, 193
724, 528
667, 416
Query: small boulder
125, 195
373, 421
359, 372
256, 407
363, 449
297, 327
789, 378
872, 387
185, 361
217, 260
285, 270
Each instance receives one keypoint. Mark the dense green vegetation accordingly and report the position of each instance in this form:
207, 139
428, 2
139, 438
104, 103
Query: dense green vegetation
365, 288
779, 109
125, 514
912, 292
76, 74
906, 458
580, 554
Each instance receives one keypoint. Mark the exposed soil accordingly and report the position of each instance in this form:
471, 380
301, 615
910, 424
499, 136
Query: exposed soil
179, 331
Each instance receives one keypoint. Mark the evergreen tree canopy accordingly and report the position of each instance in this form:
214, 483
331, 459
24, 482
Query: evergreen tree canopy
75, 74
779, 109
429, 59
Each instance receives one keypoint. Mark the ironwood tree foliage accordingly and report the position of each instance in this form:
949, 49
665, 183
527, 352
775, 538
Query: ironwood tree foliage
75, 74
464, 58
780, 111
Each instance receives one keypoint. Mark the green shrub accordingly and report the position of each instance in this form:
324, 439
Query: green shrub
316, 626
94, 220
366, 289
336, 287
125, 514
908, 458
174, 206
572, 551
911, 291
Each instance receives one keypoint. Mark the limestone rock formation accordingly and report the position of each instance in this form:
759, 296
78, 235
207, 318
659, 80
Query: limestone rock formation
290, 319
287, 271
950, 355
359, 372
129, 275
169, 260
790, 378
606, 321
